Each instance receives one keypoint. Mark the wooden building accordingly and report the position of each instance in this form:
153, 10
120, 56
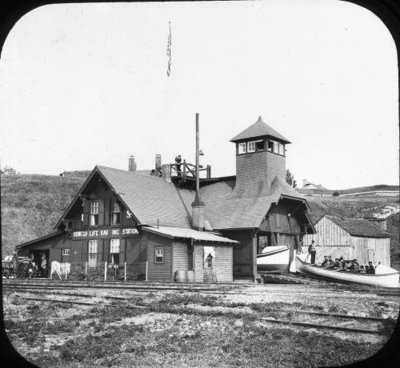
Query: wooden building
136, 218
350, 238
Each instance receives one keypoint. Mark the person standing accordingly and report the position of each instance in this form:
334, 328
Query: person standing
178, 162
312, 251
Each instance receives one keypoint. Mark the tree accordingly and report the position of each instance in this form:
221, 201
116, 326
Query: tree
290, 179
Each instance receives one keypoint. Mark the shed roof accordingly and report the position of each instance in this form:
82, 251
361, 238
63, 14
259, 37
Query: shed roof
50, 235
359, 227
259, 129
182, 233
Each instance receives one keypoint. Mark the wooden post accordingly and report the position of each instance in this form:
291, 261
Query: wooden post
86, 267
105, 271
124, 271
197, 156
147, 270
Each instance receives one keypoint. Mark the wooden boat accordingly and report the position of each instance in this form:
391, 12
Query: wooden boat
390, 279
273, 258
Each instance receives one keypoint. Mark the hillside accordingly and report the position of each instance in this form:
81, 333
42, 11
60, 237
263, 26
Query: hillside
32, 204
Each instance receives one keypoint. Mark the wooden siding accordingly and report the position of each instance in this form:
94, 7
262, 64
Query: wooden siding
135, 249
223, 265
328, 234
159, 271
198, 263
180, 260
332, 240
371, 249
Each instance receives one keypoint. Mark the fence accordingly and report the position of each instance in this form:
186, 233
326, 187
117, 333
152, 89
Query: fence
105, 271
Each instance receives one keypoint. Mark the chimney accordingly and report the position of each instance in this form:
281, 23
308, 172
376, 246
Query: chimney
158, 162
166, 172
132, 164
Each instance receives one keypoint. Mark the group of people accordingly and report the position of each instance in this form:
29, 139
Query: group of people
341, 264
347, 265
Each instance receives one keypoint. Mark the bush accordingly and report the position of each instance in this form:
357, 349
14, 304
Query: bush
335, 194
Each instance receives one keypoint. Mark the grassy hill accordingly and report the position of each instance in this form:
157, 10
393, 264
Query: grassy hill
32, 204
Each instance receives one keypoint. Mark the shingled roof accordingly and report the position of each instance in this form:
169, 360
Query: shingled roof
359, 227
225, 211
153, 200
257, 130
150, 198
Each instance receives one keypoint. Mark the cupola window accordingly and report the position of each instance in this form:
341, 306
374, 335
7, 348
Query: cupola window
251, 146
241, 148
276, 147
281, 149
260, 146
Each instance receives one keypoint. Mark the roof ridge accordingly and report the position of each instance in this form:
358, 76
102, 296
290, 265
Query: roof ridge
151, 177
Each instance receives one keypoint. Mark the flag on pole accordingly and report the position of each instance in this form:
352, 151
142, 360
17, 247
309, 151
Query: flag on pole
169, 50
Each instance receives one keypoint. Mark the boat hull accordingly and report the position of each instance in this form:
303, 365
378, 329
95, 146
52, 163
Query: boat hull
273, 259
390, 280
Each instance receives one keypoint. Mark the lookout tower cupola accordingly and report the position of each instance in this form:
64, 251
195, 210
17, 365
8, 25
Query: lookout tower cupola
260, 157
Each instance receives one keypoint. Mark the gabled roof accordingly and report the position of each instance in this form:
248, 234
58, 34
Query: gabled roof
181, 233
257, 130
149, 198
225, 211
359, 227
152, 199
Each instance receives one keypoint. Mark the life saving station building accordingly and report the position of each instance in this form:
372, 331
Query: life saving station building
158, 219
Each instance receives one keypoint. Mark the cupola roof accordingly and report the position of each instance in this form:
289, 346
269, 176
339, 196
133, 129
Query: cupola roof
257, 130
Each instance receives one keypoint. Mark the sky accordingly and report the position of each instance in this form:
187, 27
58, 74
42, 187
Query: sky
87, 84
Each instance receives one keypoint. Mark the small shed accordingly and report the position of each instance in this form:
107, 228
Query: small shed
172, 249
350, 238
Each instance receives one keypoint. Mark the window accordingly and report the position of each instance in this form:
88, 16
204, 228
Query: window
159, 255
270, 146
92, 253
251, 146
114, 250
281, 149
65, 252
260, 146
116, 214
94, 213
242, 148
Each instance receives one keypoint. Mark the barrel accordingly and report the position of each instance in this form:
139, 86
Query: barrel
180, 276
190, 276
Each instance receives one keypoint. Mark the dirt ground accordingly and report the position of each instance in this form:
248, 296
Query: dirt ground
217, 328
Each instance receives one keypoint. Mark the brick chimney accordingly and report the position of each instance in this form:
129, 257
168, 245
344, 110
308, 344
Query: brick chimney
260, 157
158, 162
166, 172
132, 164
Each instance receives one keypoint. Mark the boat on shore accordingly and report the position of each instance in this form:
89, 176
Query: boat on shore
273, 259
389, 279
